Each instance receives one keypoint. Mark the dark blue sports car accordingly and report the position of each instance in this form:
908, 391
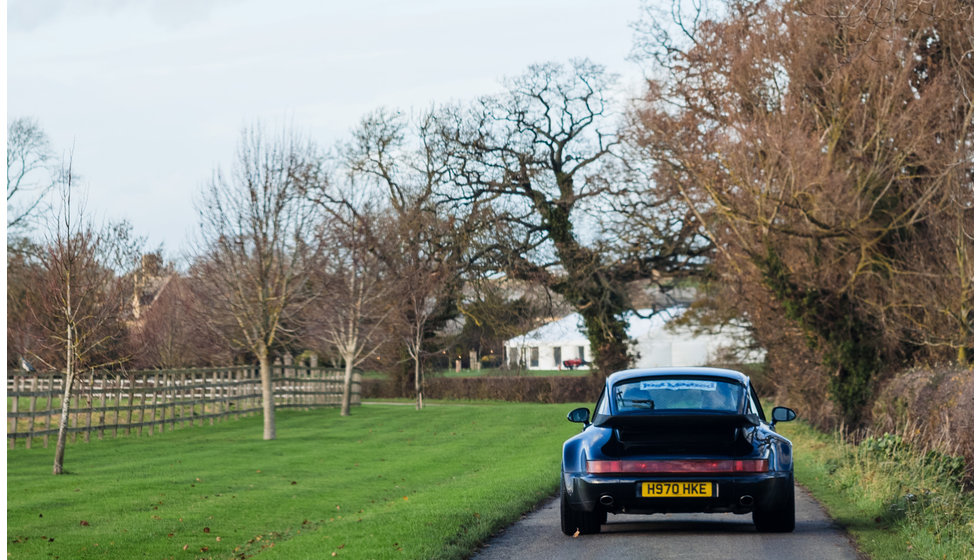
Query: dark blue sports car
677, 440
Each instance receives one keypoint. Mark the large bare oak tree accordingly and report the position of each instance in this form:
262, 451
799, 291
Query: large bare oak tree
544, 161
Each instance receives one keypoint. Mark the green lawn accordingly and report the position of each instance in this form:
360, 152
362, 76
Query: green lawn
387, 482
898, 502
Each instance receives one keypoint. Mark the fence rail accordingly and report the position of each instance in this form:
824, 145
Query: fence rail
105, 402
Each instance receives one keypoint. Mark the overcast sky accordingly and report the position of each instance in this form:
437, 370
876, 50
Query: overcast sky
152, 94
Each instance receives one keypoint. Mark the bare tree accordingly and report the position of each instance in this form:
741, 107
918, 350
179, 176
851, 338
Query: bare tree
544, 160
258, 248
22, 332
423, 250
826, 149
357, 297
419, 256
172, 331
31, 171
78, 298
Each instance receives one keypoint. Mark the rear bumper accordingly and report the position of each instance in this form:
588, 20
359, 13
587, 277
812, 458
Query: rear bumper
736, 494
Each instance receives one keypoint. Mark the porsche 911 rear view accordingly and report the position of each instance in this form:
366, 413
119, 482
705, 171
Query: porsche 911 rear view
677, 440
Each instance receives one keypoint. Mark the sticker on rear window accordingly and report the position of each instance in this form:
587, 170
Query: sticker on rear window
679, 384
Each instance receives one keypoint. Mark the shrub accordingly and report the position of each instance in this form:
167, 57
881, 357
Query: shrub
556, 389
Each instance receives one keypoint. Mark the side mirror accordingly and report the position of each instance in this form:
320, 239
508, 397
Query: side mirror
782, 414
579, 416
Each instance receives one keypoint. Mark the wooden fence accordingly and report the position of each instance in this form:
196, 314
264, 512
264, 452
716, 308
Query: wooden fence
152, 401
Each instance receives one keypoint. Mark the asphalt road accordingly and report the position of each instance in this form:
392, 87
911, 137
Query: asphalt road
674, 537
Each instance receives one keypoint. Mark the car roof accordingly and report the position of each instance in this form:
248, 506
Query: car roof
628, 374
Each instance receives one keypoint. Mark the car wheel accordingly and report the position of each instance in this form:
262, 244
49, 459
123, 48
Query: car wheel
574, 521
780, 516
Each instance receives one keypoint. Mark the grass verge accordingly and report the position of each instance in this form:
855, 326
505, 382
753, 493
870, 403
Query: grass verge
898, 502
387, 482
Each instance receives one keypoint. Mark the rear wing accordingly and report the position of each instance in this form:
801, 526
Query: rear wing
654, 420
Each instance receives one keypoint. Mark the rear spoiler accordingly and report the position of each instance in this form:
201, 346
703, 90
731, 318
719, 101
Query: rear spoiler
661, 420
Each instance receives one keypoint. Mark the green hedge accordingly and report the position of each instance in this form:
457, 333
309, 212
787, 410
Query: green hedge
557, 389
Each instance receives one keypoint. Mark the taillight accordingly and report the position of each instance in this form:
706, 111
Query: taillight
750, 465
679, 466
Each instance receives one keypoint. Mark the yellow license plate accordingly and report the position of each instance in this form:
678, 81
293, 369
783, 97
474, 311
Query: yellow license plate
679, 489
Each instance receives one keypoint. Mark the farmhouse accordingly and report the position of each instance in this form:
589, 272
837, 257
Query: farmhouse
657, 341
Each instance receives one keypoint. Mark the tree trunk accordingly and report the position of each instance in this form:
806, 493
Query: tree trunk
59, 448
418, 382
268, 398
348, 377
609, 340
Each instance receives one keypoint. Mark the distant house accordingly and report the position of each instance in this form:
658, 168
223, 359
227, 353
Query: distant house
149, 282
658, 343
547, 346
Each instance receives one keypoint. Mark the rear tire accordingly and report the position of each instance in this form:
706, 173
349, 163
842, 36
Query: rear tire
573, 520
780, 516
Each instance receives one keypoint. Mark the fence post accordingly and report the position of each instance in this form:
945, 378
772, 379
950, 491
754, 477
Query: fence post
257, 388
172, 395
310, 388
32, 408
102, 407
213, 396
311, 376
75, 407
226, 383
91, 407
174, 398
47, 424
119, 404
154, 406
242, 391
139, 430
132, 399
204, 396
182, 391
12, 423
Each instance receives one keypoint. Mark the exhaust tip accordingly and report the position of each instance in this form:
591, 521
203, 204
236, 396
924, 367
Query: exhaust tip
606, 500
746, 500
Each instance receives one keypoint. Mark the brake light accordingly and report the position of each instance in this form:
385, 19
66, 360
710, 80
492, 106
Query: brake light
679, 466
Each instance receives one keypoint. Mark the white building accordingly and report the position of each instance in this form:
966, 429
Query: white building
657, 345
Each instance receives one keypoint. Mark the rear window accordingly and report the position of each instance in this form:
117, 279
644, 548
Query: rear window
678, 393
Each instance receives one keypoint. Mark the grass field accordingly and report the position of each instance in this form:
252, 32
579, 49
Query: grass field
898, 502
387, 482
391, 482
